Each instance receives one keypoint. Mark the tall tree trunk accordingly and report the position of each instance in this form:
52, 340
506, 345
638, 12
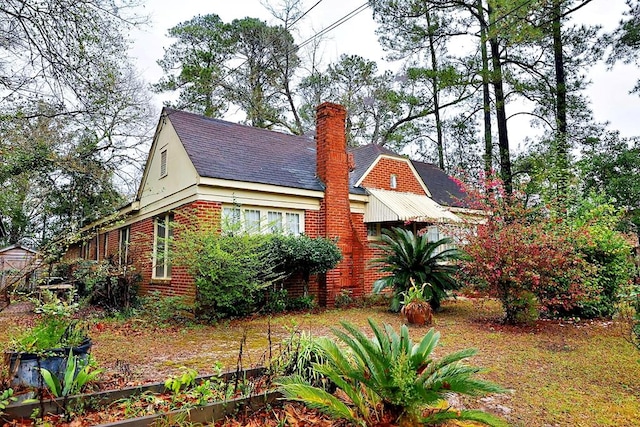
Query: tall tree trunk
486, 96
436, 91
501, 114
561, 141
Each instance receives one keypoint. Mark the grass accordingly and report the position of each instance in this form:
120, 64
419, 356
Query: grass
560, 373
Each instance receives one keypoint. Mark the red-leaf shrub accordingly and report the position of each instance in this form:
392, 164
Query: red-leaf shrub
515, 251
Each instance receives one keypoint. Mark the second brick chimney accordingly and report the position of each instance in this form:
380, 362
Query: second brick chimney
335, 211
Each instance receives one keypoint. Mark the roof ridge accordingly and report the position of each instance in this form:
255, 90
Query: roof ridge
223, 121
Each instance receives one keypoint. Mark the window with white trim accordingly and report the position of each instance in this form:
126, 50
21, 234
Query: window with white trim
393, 181
373, 230
293, 223
274, 222
163, 232
123, 245
254, 220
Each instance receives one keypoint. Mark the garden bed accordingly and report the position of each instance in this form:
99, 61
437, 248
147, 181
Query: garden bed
116, 407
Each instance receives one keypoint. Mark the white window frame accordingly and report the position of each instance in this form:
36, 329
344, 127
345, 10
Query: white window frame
275, 222
162, 243
374, 230
393, 181
124, 240
266, 219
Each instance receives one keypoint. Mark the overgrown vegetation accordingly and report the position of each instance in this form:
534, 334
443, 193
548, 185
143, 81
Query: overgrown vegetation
102, 283
237, 273
539, 260
55, 329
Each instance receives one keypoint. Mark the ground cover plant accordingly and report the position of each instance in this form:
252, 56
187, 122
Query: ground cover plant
563, 373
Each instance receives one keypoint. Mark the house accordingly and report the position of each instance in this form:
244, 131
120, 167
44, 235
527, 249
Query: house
263, 179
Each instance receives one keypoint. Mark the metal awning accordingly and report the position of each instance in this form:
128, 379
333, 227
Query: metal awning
387, 205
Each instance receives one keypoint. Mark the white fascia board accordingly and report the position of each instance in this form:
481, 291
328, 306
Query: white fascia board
265, 188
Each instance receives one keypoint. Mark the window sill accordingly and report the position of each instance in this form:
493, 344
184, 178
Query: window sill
161, 281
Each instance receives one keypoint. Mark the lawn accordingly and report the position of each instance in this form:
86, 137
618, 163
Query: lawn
560, 373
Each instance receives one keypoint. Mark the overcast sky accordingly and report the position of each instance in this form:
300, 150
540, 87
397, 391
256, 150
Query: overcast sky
609, 91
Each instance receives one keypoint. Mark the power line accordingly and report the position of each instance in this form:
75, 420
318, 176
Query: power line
331, 27
305, 14
336, 24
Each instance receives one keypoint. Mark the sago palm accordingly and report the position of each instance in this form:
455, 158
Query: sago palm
390, 376
408, 256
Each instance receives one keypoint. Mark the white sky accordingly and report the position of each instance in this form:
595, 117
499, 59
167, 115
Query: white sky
608, 93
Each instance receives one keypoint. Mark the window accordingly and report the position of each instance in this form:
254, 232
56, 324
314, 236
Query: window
163, 232
293, 223
231, 220
373, 230
123, 245
163, 163
261, 220
393, 182
86, 249
274, 222
105, 245
252, 221
433, 234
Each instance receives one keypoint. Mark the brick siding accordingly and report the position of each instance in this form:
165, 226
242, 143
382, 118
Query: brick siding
380, 177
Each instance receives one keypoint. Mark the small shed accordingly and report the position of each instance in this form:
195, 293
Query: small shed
15, 262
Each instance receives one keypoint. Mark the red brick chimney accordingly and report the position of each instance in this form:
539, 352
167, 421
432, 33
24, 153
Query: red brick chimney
335, 211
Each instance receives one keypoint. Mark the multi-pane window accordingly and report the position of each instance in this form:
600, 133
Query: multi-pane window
274, 222
123, 245
373, 230
161, 250
293, 223
260, 220
231, 220
252, 221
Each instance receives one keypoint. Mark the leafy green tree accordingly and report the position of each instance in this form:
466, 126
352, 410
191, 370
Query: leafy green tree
66, 88
201, 49
610, 165
408, 256
246, 64
625, 40
390, 376
418, 32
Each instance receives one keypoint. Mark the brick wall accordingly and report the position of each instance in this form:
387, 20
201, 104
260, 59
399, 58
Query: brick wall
380, 177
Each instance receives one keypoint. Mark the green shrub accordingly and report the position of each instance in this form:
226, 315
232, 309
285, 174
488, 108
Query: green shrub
104, 284
304, 302
231, 271
607, 251
303, 254
275, 301
165, 309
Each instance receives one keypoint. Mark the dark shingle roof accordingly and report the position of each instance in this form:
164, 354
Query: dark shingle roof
364, 156
444, 190
225, 150
220, 149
